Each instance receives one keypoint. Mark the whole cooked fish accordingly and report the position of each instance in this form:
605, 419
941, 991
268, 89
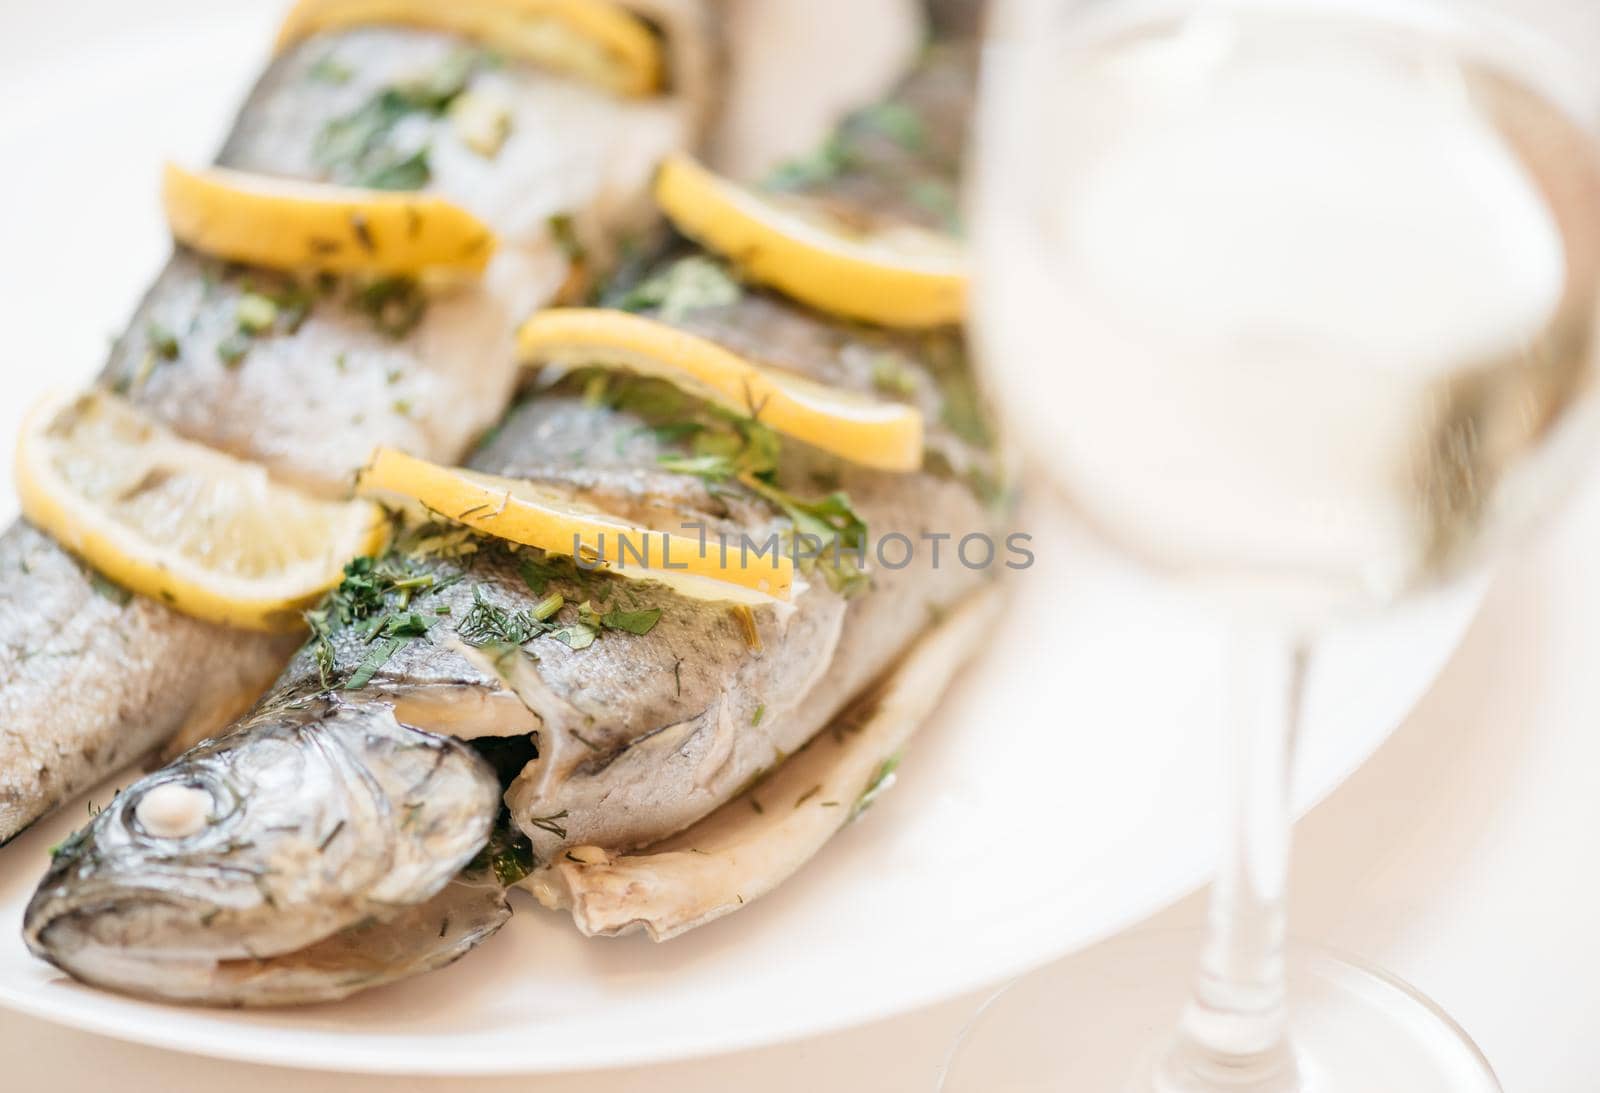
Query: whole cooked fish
617, 713
90, 677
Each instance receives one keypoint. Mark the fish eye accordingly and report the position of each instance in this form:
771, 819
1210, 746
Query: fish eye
173, 810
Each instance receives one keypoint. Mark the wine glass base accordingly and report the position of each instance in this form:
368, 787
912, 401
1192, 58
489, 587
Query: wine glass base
1099, 1023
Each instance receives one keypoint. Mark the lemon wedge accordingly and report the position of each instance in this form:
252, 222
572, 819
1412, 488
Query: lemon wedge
290, 225
864, 430
891, 274
525, 513
211, 535
595, 40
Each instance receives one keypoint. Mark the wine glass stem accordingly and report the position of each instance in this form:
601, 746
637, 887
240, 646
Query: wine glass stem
1233, 1035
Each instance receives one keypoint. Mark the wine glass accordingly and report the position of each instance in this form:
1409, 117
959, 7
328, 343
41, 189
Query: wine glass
1294, 302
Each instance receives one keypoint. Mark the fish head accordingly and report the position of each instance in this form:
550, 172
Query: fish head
305, 821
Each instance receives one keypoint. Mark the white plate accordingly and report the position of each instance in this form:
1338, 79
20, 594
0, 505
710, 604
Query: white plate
1062, 793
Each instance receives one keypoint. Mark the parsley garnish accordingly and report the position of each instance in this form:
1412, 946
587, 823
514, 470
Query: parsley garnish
899, 123
508, 855
233, 349
376, 659
828, 162
374, 601
359, 148
690, 284
413, 172
633, 622
162, 341
108, 589
564, 231
328, 69
395, 305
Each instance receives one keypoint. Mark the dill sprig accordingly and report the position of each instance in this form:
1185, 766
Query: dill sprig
487, 623
375, 598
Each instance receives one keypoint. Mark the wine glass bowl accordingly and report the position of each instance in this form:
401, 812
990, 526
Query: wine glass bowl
1294, 305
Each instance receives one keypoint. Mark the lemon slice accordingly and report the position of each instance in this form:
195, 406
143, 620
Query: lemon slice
894, 275
162, 516
873, 433
522, 512
595, 40
287, 224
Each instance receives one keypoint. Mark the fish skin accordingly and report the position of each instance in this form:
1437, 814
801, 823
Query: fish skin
642, 782
94, 679
750, 845
314, 405
311, 405
638, 735
331, 808
642, 736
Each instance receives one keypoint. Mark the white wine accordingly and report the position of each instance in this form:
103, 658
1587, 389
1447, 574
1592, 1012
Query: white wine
1296, 305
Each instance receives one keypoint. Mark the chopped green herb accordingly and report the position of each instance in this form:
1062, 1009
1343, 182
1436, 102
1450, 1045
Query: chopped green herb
828, 162
233, 349
880, 781
508, 855
576, 635
898, 122
892, 376
594, 391
582, 633
411, 172
550, 824
963, 410
410, 625
755, 718
832, 521
374, 660
372, 600
488, 623
162, 341
634, 622
938, 198
564, 231
109, 590
395, 305
483, 122
711, 467
537, 574
359, 148
690, 284
328, 69
255, 313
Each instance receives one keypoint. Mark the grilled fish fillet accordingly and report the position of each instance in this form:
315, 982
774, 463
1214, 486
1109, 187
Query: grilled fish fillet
91, 678
615, 724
